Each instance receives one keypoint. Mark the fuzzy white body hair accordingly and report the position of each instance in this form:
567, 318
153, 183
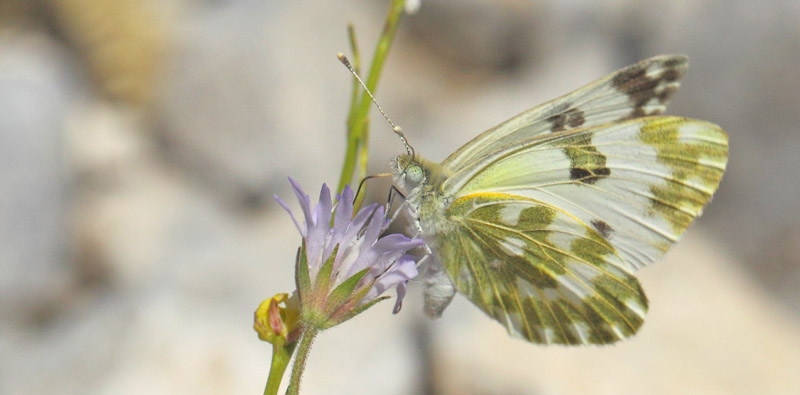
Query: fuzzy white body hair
425, 205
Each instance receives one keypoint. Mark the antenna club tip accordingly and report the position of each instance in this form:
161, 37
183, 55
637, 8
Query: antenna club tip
343, 59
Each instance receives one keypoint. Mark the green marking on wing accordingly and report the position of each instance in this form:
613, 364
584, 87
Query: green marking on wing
587, 164
696, 153
542, 273
593, 249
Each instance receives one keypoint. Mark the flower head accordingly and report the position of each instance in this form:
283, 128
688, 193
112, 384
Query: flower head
344, 264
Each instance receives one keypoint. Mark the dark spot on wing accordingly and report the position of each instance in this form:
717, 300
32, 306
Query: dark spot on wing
628, 76
637, 112
641, 88
671, 75
577, 173
643, 92
573, 118
677, 61
588, 176
667, 93
602, 227
558, 122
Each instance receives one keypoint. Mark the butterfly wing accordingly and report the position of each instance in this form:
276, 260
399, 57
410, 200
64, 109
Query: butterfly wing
638, 90
546, 233
541, 272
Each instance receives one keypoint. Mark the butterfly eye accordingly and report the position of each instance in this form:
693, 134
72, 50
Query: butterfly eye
414, 175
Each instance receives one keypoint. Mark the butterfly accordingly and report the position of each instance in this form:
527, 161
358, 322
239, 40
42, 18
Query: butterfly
543, 220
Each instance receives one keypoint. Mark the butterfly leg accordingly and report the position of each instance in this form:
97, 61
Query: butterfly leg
405, 206
392, 193
416, 234
423, 260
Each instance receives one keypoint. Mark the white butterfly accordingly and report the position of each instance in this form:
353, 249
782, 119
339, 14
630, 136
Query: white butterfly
542, 220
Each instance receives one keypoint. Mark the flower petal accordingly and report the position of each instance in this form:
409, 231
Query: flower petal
305, 204
403, 270
397, 242
361, 218
375, 226
401, 293
344, 210
286, 207
318, 234
390, 248
366, 253
325, 207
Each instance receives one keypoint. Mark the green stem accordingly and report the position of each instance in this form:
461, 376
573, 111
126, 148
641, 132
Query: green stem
357, 126
300, 360
280, 360
351, 33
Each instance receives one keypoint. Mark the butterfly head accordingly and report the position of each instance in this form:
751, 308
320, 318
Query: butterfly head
408, 173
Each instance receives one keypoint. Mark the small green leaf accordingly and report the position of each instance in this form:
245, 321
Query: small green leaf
301, 273
355, 312
323, 280
343, 292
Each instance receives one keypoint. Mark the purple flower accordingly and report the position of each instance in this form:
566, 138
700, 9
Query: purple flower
344, 265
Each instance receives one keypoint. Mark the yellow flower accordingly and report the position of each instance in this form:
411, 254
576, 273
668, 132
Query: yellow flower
273, 321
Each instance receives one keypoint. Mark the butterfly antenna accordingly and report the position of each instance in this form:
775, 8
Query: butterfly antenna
395, 128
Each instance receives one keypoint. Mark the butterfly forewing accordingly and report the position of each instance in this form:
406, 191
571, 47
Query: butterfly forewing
642, 89
638, 183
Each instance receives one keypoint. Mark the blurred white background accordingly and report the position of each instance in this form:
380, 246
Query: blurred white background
141, 142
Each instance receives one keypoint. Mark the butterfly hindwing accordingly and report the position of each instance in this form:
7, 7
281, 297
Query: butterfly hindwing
641, 89
545, 275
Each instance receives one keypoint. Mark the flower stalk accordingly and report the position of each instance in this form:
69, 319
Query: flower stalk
281, 355
358, 119
306, 340
343, 265
277, 322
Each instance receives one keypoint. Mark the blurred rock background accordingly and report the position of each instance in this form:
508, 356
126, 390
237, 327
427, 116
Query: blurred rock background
141, 142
